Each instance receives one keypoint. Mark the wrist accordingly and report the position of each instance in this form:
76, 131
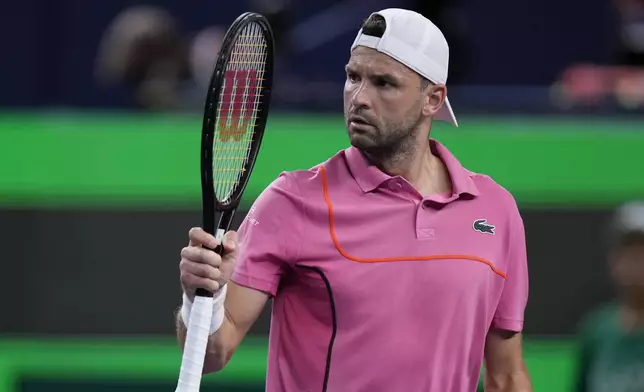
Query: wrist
218, 313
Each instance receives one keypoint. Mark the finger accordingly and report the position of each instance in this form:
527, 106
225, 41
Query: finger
201, 270
199, 237
194, 282
230, 241
201, 255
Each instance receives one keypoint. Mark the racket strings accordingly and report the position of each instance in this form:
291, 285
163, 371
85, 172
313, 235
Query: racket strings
238, 110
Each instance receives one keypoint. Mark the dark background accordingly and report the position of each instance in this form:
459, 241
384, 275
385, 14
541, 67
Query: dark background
91, 274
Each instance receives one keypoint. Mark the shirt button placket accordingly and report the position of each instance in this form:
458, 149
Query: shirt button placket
422, 218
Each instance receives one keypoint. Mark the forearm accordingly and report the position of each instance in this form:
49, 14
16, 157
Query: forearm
518, 381
505, 369
221, 344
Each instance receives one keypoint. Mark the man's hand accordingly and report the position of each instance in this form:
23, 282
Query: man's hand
201, 267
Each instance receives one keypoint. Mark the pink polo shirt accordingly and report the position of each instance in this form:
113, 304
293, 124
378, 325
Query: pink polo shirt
377, 288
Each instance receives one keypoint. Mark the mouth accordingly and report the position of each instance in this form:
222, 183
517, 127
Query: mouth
358, 121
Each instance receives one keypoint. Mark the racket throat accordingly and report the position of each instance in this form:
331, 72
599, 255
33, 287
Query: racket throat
219, 235
225, 220
222, 227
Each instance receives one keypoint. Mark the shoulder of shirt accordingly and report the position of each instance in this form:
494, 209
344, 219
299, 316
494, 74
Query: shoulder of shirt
294, 179
489, 188
486, 185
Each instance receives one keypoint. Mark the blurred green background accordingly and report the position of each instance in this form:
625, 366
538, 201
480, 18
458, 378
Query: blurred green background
144, 159
143, 364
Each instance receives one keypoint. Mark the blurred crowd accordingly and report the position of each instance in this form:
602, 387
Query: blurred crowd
168, 68
621, 81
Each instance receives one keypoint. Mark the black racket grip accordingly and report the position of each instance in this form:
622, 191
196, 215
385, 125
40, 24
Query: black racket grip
219, 249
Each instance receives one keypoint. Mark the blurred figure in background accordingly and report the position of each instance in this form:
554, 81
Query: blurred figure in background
204, 49
622, 81
630, 47
143, 49
630, 53
611, 358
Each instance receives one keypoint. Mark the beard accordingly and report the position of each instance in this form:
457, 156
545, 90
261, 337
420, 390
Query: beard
387, 140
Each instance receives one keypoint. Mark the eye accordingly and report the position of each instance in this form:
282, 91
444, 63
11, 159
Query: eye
383, 83
352, 77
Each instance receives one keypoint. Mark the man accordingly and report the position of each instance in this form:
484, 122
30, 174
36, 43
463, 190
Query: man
391, 267
612, 337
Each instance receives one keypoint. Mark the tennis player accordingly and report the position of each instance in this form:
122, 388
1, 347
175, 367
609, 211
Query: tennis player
391, 266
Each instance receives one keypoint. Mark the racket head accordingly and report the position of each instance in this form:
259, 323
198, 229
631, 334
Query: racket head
235, 114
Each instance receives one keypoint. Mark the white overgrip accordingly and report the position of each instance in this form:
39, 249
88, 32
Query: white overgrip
219, 235
194, 352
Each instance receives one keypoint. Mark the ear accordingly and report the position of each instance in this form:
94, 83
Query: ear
434, 97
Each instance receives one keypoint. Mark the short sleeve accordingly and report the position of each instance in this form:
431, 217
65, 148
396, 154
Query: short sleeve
514, 297
270, 236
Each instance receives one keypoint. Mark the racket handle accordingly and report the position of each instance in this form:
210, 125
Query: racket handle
194, 351
219, 249
219, 236
200, 292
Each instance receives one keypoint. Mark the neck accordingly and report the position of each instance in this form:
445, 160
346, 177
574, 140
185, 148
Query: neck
414, 161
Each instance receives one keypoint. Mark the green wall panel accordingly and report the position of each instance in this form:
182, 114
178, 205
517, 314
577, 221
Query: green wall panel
550, 362
152, 160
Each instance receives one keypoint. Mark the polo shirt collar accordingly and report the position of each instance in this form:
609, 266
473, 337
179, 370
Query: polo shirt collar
369, 177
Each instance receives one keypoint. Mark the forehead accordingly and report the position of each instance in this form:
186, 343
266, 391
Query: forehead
369, 60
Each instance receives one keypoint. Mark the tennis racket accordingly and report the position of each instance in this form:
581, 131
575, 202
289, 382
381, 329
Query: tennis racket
235, 115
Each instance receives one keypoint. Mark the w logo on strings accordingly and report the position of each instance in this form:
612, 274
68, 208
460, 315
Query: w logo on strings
239, 99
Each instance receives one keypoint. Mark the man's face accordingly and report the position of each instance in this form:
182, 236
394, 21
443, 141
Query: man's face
383, 101
627, 267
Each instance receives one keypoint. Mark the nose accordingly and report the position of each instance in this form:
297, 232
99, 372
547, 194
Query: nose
360, 96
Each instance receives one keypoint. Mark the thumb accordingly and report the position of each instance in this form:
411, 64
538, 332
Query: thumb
230, 241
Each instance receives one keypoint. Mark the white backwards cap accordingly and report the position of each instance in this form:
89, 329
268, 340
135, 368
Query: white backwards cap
416, 42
